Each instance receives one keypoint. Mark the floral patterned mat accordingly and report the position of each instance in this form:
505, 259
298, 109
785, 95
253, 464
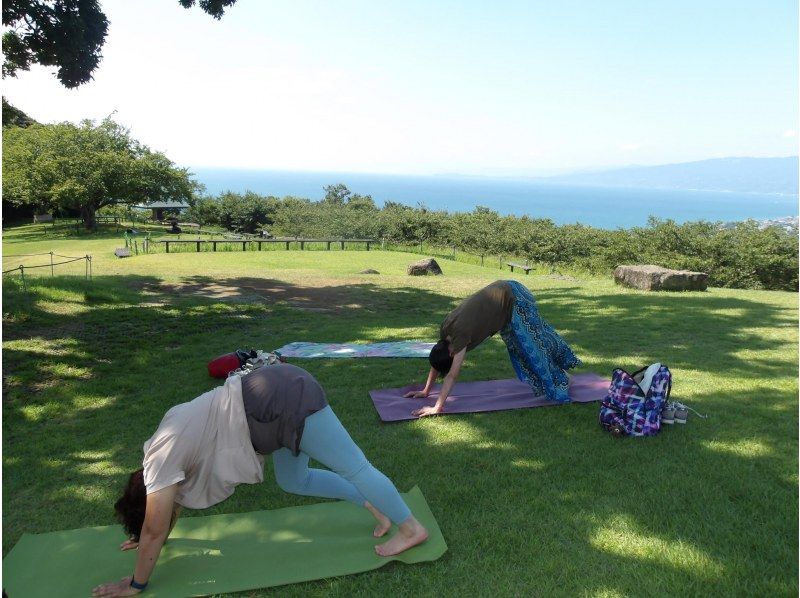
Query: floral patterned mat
336, 350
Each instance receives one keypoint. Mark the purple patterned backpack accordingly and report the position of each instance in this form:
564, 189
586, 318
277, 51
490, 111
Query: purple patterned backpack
634, 402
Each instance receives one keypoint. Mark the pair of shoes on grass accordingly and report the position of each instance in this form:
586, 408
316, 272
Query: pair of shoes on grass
672, 413
676, 413
261, 359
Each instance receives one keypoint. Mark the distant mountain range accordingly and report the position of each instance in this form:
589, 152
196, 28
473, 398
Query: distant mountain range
741, 175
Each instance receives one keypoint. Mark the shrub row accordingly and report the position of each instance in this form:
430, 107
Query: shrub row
739, 256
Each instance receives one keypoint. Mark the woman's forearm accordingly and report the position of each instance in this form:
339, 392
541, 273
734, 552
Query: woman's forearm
447, 386
431, 379
160, 514
149, 549
450, 380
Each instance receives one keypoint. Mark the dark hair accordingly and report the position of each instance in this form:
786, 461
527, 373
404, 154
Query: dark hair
130, 506
440, 357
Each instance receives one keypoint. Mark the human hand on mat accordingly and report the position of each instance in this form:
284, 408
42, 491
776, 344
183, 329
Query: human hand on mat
422, 394
129, 544
422, 412
447, 386
121, 588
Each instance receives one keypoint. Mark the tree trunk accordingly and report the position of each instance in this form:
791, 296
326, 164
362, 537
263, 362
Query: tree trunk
88, 213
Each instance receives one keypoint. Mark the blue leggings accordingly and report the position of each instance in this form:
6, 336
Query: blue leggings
352, 477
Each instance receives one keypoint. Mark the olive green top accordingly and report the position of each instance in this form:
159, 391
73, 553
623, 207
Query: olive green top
478, 317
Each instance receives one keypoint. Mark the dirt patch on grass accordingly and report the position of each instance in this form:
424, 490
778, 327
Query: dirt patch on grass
209, 290
306, 293
312, 295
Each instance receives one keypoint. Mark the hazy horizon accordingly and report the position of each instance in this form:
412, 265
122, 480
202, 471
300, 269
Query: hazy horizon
556, 173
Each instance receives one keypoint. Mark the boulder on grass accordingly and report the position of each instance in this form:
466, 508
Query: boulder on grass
656, 278
122, 252
424, 267
369, 271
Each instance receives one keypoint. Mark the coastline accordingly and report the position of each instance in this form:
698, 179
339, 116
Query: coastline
599, 206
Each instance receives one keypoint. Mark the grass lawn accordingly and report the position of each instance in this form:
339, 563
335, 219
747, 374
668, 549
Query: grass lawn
531, 502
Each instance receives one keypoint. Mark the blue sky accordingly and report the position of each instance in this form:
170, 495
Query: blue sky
484, 88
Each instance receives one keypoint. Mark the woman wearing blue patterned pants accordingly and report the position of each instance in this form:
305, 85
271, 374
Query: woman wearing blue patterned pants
539, 355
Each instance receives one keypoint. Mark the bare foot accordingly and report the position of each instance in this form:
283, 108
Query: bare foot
384, 523
410, 534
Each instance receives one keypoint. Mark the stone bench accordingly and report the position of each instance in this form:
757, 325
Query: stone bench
525, 267
656, 278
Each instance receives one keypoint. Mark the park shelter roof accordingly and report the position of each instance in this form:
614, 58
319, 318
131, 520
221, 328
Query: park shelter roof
167, 205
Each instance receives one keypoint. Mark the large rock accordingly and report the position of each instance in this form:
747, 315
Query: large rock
424, 267
656, 278
369, 271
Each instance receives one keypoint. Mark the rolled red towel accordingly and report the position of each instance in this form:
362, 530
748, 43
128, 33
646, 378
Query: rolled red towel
224, 365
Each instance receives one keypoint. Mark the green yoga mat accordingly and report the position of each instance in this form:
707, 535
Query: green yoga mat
218, 553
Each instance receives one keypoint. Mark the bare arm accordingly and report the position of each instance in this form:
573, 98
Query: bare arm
156, 528
132, 543
158, 521
176, 512
421, 394
447, 386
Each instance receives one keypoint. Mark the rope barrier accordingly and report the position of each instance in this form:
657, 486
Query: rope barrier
70, 259
32, 255
37, 254
77, 259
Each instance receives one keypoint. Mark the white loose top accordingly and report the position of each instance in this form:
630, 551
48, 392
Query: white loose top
203, 446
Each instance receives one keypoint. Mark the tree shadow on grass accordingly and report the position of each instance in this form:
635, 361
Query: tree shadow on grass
84, 388
62, 231
706, 506
685, 330
346, 299
90, 369
664, 326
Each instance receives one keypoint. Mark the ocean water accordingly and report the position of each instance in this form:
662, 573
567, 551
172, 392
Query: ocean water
602, 207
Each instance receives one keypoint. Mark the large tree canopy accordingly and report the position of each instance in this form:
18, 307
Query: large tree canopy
85, 167
67, 34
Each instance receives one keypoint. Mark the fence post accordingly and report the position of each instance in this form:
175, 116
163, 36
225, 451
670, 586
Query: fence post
22, 275
454, 253
481, 260
52, 270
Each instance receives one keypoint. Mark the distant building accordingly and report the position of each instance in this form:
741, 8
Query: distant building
159, 207
788, 224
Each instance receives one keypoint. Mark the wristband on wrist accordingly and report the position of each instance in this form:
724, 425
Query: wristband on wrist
136, 585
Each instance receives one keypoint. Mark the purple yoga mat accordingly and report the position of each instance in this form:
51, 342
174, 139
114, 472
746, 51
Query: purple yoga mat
487, 395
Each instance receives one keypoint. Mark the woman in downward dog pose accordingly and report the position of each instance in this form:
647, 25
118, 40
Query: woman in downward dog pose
204, 448
539, 355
